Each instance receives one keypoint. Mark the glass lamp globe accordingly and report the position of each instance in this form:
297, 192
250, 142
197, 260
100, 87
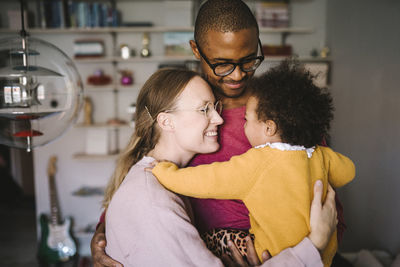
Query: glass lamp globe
40, 92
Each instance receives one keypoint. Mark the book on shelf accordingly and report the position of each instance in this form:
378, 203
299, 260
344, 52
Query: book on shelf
80, 14
273, 14
89, 48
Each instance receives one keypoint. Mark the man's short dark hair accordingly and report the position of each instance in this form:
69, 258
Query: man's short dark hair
301, 110
223, 16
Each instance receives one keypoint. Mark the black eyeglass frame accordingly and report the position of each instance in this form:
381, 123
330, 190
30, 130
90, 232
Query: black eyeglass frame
240, 63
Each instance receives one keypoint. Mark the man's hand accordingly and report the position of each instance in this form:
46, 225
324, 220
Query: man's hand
323, 218
238, 260
97, 247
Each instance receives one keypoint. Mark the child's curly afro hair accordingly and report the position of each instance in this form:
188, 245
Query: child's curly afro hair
301, 110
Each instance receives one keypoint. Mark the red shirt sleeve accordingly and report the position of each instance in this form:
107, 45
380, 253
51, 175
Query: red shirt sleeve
102, 219
341, 226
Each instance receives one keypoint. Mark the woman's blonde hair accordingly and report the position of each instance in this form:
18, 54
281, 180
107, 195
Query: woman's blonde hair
158, 94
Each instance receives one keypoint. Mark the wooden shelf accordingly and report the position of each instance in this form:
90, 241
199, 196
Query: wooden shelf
301, 59
84, 156
154, 29
299, 30
182, 58
134, 59
103, 125
112, 87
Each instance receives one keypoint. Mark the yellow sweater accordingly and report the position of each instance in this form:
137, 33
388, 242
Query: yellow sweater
276, 186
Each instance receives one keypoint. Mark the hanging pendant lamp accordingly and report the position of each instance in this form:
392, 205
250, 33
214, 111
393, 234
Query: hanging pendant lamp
40, 91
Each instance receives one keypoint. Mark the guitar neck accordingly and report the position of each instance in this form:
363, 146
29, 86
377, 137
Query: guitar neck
54, 208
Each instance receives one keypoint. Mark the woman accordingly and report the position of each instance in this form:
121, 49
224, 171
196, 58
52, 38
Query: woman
147, 225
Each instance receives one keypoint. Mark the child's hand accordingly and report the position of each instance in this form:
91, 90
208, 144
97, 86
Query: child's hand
323, 218
152, 165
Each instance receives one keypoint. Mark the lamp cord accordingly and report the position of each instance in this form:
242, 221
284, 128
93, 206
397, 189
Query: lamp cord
22, 32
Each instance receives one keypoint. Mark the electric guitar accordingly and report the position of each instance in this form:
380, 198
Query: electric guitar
57, 244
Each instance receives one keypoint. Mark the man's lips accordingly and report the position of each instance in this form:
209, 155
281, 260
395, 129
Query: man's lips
234, 85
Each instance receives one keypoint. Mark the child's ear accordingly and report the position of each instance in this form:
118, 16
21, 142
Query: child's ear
270, 128
165, 121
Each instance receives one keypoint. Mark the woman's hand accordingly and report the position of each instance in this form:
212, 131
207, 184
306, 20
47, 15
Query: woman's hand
97, 247
238, 260
323, 218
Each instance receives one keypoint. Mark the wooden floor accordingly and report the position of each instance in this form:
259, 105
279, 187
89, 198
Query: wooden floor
18, 242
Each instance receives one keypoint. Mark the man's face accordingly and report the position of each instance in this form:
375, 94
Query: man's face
222, 47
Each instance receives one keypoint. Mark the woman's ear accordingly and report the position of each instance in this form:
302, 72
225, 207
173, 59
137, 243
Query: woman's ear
270, 128
195, 51
165, 121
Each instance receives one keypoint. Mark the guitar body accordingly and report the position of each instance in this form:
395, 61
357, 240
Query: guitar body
56, 244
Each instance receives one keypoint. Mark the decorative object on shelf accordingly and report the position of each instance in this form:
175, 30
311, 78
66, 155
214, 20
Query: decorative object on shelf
56, 243
272, 14
325, 51
89, 48
116, 122
40, 91
177, 43
87, 191
125, 51
321, 72
132, 111
314, 52
88, 111
126, 77
99, 78
145, 52
277, 50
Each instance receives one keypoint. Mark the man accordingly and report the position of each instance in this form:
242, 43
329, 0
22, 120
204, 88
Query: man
228, 47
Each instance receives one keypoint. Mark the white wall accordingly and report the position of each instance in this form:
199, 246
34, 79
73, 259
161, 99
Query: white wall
72, 173
364, 36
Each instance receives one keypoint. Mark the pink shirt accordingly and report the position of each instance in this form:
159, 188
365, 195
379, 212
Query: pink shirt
213, 213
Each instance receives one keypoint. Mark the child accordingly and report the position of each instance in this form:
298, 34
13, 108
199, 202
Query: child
286, 117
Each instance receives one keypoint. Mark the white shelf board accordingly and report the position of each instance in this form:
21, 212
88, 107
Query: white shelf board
182, 58
134, 59
301, 59
103, 125
111, 87
84, 156
153, 29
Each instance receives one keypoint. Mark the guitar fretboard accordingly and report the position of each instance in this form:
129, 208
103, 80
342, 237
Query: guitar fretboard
54, 210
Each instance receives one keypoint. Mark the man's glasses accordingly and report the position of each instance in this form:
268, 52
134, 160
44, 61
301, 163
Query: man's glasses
226, 68
206, 110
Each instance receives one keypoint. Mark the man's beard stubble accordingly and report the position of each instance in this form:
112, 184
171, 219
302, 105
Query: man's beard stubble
218, 92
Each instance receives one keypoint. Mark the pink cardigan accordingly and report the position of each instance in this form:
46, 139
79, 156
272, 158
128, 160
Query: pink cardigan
147, 225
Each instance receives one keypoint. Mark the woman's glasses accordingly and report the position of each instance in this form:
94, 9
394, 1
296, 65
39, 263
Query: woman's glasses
207, 109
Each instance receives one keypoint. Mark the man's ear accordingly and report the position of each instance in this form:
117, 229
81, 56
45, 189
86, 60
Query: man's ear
270, 128
165, 121
194, 49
